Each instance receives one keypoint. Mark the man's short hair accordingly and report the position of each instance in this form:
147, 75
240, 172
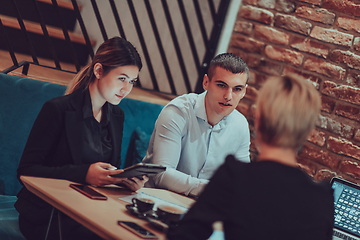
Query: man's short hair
229, 62
288, 108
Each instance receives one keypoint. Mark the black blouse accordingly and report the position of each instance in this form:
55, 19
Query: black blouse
97, 145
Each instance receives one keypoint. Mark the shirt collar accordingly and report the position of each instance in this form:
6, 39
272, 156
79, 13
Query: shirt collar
201, 112
87, 109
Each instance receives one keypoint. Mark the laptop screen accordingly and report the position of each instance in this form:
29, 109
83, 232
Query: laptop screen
347, 206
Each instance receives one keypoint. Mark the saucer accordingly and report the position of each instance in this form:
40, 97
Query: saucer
133, 210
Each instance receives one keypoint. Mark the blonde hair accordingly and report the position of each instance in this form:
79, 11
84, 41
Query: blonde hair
112, 53
287, 108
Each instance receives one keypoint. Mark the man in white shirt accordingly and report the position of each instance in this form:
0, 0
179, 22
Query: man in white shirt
195, 132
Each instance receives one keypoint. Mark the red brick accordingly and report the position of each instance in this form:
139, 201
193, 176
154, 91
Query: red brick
345, 6
252, 78
351, 168
324, 175
348, 23
253, 157
357, 135
319, 156
284, 55
316, 2
357, 43
353, 78
259, 78
239, 52
327, 104
252, 110
247, 44
243, 108
343, 146
350, 59
243, 27
332, 36
310, 46
321, 66
306, 166
261, 3
271, 35
256, 14
336, 127
252, 140
251, 93
342, 92
348, 111
265, 66
285, 6
314, 79
292, 23
317, 137
316, 14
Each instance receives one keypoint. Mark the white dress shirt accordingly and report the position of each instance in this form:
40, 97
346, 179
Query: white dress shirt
190, 147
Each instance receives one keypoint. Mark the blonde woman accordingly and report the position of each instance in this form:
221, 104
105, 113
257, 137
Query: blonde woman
270, 198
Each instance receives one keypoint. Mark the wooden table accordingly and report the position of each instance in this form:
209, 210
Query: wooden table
99, 216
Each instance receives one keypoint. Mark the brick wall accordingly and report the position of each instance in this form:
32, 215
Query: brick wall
320, 40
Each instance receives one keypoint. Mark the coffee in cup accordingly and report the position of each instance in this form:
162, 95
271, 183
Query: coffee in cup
143, 204
169, 214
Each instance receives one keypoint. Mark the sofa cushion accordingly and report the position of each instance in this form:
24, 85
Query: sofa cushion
20, 102
139, 143
138, 114
9, 226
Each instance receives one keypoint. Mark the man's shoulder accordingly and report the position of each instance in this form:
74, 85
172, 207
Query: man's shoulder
184, 99
237, 118
184, 102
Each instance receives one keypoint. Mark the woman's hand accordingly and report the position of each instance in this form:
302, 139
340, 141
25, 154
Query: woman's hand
99, 174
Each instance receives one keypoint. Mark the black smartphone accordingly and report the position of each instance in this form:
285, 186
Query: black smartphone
88, 191
138, 230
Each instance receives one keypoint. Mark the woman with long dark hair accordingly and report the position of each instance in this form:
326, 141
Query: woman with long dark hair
78, 137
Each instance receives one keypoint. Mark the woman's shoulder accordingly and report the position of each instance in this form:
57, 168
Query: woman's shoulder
116, 109
58, 101
232, 164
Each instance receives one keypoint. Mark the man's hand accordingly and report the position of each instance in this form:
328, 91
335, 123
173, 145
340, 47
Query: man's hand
134, 183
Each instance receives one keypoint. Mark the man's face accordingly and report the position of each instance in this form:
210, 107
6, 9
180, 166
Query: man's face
224, 92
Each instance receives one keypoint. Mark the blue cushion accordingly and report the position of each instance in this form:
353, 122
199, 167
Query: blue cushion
20, 102
137, 114
9, 226
139, 143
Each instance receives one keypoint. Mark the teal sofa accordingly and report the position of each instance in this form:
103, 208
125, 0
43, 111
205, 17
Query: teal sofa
20, 102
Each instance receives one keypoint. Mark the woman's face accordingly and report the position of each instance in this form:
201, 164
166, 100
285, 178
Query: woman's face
117, 84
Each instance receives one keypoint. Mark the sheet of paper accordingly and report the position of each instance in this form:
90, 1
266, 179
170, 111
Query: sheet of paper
158, 201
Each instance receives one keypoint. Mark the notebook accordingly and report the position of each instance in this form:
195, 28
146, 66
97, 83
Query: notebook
347, 210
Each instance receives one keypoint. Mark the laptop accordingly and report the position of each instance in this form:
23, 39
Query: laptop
347, 210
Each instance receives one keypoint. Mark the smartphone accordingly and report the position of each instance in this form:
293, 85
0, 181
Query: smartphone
87, 191
138, 230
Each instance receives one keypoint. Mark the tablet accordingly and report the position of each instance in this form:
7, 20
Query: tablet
140, 169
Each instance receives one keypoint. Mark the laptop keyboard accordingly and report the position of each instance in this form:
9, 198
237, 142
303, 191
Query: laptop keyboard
343, 236
347, 211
